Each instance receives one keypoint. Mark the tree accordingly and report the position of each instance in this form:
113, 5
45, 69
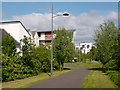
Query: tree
8, 45
63, 46
93, 53
27, 49
40, 61
107, 42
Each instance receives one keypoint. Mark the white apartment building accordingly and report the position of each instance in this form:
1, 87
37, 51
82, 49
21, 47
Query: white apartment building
84, 47
16, 29
35, 37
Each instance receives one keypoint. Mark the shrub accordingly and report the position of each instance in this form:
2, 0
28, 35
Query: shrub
114, 76
32, 62
112, 64
40, 61
55, 65
13, 68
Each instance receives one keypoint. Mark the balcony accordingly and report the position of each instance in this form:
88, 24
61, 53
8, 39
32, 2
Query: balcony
48, 37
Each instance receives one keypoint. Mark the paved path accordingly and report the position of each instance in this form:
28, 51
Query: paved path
73, 79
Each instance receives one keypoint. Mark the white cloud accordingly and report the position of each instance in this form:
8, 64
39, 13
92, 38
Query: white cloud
85, 23
112, 15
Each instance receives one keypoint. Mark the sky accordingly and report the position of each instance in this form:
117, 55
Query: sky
85, 17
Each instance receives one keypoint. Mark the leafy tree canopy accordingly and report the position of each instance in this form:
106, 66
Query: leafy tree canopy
107, 42
63, 46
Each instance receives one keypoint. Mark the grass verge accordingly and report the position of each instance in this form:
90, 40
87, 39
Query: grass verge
90, 65
96, 78
27, 82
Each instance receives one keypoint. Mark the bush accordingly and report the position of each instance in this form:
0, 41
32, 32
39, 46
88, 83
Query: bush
114, 76
112, 64
32, 62
55, 65
13, 68
40, 61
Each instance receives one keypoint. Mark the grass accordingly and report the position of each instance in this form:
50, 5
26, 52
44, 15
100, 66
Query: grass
27, 82
96, 78
90, 65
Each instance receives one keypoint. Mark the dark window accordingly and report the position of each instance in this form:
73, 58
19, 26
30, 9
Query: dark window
39, 34
83, 46
88, 46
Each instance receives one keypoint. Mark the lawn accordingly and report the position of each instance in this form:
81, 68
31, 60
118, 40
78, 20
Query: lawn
90, 65
27, 82
96, 78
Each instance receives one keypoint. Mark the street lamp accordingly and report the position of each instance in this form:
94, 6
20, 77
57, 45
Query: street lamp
52, 16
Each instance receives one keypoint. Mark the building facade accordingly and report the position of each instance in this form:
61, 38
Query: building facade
35, 37
45, 37
84, 47
15, 29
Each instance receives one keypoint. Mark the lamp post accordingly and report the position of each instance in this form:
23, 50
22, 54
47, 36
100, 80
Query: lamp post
52, 16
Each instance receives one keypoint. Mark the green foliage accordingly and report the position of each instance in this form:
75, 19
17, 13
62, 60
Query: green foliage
85, 57
55, 65
63, 46
27, 50
8, 45
114, 76
93, 53
40, 59
112, 64
32, 62
107, 42
13, 68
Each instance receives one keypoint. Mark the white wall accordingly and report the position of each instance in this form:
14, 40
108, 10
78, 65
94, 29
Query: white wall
85, 49
42, 36
36, 39
16, 30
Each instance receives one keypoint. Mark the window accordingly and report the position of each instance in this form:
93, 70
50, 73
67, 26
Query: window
39, 34
88, 46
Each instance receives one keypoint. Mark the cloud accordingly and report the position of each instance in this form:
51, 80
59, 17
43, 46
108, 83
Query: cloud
35, 20
84, 23
112, 15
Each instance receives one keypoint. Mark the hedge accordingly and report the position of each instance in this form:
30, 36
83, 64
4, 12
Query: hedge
114, 76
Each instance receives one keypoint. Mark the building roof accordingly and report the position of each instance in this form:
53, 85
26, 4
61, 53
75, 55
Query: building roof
16, 29
10, 22
72, 30
43, 31
33, 33
4, 33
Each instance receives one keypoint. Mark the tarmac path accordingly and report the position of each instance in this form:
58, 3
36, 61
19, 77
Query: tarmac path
72, 79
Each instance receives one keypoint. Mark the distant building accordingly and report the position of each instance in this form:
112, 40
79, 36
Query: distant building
35, 37
45, 37
84, 47
17, 30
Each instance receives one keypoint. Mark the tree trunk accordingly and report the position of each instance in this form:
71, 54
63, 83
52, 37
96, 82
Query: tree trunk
103, 68
62, 66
